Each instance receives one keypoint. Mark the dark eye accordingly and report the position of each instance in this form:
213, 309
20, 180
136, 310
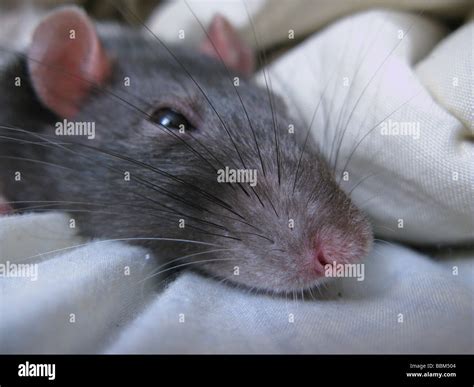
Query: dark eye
170, 119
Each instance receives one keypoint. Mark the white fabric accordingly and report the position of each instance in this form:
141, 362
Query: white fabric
272, 19
451, 62
99, 283
119, 313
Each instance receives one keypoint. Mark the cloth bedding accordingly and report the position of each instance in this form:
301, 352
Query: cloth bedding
96, 297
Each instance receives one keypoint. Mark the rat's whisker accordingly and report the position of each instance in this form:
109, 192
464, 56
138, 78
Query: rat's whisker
361, 60
209, 196
384, 241
326, 138
308, 132
386, 227
23, 141
35, 161
116, 240
379, 67
47, 208
365, 202
179, 213
181, 258
53, 203
311, 294
263, 60
140, 180
258, 235
375, 127
361, 181
232, 83
201, 231
187, 264
171, 210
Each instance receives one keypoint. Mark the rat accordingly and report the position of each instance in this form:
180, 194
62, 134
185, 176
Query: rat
155, 144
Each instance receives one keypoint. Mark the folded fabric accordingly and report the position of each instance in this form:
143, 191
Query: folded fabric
270, 20
68, 296
405, 158
92, 298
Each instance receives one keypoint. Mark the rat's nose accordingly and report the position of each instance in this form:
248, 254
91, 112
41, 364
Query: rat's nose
332, 247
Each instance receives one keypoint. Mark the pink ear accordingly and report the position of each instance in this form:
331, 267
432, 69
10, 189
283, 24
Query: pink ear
235, 54
66, 60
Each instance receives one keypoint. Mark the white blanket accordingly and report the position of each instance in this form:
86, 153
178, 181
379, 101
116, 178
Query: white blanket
92, 298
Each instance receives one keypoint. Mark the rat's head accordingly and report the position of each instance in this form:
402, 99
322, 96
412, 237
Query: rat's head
186, 147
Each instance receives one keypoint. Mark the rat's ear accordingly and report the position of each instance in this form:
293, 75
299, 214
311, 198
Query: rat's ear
66, 60
223, 42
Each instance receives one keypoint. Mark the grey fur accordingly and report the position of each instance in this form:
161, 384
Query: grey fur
277, 259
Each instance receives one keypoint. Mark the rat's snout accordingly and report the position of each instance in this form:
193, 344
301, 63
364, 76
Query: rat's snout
330, 239
301, 236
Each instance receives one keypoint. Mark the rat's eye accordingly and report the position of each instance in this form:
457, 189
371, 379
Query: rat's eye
170, 119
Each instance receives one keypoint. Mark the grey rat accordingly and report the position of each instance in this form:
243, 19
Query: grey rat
142, 178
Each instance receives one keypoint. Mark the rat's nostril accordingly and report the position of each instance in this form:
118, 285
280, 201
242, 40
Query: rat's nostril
320, 257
